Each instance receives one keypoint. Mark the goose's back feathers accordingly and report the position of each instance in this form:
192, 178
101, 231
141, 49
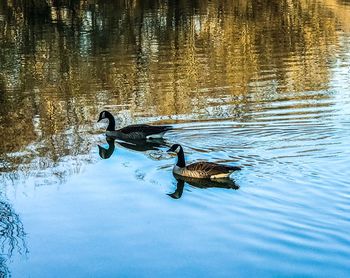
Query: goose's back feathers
139, 132
145, 129
206, 170
211, 167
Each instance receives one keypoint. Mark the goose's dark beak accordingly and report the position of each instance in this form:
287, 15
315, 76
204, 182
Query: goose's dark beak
99, 118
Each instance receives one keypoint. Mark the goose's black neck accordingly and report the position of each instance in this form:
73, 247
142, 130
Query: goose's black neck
181, 159
111, 124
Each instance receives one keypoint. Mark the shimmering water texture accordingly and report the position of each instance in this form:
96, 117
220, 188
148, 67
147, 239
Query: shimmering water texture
264, 85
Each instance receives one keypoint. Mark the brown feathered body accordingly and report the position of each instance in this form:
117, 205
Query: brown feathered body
205, 170
201, 170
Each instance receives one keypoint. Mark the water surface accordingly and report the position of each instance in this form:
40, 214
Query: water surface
263, 85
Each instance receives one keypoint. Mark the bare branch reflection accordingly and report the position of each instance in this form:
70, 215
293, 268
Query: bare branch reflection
4, 270
12, 236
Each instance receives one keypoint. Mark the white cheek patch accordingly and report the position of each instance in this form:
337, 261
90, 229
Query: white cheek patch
177, 149
103, 115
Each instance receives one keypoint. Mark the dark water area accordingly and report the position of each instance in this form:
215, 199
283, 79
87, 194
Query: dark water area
264, 85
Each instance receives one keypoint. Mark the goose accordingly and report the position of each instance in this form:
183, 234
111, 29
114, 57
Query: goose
200, 170
133, 132
201, 183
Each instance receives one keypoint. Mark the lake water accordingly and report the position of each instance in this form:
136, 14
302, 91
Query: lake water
260, 84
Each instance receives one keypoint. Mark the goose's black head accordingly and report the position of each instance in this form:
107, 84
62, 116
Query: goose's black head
105, 115
109, 116
176, 148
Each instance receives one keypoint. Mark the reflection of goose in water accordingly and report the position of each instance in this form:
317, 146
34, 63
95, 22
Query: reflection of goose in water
135, 145
201, 183
200, 170
143, 145
107, 153
133, 132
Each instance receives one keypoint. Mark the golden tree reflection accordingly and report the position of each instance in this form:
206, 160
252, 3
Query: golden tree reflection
65, 60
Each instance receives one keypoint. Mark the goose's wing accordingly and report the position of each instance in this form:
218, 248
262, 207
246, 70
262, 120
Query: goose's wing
212, 168
145, 129
207, 183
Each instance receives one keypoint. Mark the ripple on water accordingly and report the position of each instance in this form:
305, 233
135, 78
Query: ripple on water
259, 84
